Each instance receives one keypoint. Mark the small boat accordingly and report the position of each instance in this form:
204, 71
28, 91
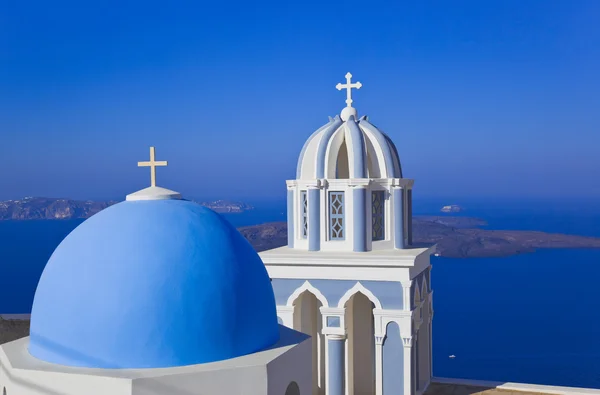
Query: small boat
452, 356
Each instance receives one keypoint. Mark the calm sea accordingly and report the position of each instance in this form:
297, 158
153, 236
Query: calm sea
528, 318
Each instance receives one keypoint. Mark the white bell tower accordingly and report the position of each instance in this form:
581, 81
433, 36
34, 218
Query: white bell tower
349, 193
350, 275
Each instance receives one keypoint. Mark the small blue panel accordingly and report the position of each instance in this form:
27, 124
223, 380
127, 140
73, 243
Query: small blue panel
393, 361
152, 284
333, 322
336, 367
360, 219
290, 218
314, 218
399, 218
284, 288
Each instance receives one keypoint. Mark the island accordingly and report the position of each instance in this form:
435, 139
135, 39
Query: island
37, 208
456, 237
452, 208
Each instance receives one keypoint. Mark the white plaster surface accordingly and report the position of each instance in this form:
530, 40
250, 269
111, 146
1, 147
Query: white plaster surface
153, 193
23, 374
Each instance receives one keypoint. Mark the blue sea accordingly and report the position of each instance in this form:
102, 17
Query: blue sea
528, 318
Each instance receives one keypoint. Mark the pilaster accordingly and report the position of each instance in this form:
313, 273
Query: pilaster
290, 217
379, 339
410, 216
314, 215
407, 295
408, 343
398, 201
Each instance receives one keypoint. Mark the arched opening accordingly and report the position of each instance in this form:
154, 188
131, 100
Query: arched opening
342, 168
360, 345
292, 389
393, 360
308, 320
4, 391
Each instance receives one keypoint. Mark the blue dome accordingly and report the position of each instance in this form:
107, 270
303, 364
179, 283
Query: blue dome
148, 284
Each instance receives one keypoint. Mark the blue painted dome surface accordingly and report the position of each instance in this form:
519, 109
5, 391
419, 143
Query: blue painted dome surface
148, 284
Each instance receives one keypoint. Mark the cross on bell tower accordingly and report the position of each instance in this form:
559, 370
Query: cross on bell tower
348, 86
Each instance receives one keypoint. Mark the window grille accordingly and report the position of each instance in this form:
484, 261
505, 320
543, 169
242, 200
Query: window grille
378, 214
336, 215
304, 213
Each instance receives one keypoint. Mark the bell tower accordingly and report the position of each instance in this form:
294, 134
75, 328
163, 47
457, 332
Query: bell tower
349, 193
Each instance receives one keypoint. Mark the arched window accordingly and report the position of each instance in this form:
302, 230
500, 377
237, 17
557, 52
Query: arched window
292, 389
4, 391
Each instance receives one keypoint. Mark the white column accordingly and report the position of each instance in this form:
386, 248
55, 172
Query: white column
287, 315
336, 375
379, 364
406, 295
408, 371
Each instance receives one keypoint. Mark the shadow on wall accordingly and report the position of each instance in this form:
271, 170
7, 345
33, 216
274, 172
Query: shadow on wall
292, 389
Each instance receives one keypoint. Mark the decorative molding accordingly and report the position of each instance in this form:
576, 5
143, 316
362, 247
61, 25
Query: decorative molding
358, 287
359, 182
379, 339
313, 184
335, 336
407, 284
291, 184
408, 341
310, 288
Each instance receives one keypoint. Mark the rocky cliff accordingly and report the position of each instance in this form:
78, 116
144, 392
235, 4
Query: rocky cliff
48, 208
31, 208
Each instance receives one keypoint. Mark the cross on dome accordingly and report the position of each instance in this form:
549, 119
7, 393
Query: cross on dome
152, 164
348, 86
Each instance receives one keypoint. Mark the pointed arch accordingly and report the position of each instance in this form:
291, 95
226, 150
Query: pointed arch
416, 296
424, 290
358, 287
310, 288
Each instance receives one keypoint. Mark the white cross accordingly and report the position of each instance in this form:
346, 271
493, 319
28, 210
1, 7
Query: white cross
152, 164
348, 85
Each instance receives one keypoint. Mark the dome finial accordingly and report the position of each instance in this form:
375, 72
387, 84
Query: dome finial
152, 164
349, 110
153, 192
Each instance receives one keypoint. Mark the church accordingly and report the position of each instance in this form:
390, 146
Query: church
158, 295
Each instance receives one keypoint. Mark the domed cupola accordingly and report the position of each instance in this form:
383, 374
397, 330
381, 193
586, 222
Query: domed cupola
152, 282
349, 190
348, 148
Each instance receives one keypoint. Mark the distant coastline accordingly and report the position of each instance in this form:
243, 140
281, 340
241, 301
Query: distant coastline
456, 237
39, 208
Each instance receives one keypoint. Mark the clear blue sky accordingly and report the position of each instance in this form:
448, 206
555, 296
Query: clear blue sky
482, 98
